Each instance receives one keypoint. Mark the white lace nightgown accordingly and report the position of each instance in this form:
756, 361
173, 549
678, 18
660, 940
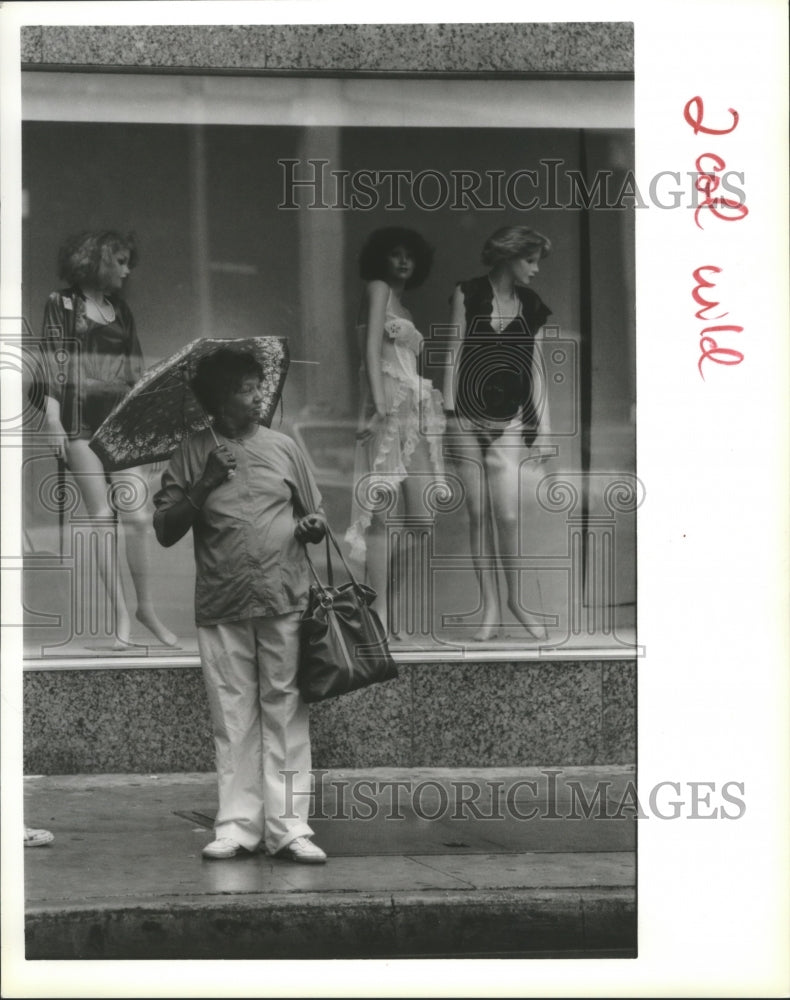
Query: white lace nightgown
414, 411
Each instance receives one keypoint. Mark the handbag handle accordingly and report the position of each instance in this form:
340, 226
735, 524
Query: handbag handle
301, 511
329, 570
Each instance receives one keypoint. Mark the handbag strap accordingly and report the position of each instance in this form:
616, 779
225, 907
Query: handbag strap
330, 579
301, 511
330, 536
318, 581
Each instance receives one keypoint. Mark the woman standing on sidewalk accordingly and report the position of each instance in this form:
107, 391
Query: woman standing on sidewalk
399, 439
90, 326
250, 590
495, 415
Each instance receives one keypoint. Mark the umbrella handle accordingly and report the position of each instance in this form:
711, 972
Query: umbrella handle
231, 472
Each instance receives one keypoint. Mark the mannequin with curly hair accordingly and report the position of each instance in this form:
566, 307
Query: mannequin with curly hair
401, 423
495, 413
90, 325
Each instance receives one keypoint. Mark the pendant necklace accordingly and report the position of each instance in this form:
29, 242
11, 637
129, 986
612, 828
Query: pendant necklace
105, 318
501, 323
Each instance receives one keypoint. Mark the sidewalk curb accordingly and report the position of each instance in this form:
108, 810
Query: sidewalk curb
341, 925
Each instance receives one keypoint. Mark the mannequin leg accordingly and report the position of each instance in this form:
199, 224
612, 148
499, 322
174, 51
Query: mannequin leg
377, 568
419, 518
503, 462
88, 472
137, 536
470, 466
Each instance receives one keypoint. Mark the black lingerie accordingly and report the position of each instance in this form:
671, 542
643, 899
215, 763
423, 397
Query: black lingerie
494, 376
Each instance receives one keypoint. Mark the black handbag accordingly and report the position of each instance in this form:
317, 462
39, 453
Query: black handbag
343, 645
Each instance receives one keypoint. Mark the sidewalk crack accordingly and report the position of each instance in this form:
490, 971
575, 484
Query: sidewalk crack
434, 868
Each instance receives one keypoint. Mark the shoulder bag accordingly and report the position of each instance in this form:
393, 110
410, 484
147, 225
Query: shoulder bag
342, 643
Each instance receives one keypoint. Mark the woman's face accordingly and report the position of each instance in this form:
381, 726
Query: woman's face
400, 264
114, 269
524, 268
242, 406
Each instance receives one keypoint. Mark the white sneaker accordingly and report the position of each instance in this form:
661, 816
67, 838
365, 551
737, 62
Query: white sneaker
37, 838
222, 847
303, 851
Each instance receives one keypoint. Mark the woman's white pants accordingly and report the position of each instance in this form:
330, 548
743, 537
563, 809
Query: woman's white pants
261, 730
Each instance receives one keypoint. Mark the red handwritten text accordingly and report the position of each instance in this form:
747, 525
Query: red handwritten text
709, 166
695, 119
710, 350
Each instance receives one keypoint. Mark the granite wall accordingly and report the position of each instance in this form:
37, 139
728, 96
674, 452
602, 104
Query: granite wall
586, 48
433, 715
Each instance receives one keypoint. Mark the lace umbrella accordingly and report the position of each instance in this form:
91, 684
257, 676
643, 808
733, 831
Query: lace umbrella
161, 409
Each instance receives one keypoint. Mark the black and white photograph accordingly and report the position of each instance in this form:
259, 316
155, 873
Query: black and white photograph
357, 499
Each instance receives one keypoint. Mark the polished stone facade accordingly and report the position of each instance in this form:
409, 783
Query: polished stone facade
434, 715
557, 49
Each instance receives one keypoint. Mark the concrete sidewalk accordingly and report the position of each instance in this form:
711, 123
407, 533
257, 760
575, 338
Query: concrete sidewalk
499, 862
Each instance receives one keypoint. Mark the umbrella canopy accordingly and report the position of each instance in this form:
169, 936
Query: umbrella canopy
161, 409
